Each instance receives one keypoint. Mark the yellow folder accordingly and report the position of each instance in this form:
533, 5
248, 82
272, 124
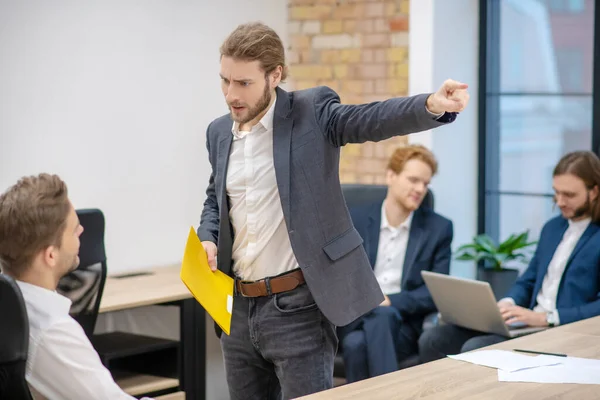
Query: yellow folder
213, 290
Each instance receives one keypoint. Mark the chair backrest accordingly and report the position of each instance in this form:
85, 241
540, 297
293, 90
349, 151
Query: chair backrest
85, 285
359, 195
14, 341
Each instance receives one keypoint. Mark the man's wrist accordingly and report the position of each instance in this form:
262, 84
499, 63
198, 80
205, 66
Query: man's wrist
552, 318
431, 109
509, 300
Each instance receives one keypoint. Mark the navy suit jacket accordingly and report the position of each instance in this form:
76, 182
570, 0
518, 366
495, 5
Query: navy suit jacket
429, 248
579, 290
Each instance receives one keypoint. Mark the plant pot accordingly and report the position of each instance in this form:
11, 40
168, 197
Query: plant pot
500, 281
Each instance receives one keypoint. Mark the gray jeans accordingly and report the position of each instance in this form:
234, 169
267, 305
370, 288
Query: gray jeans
280, 347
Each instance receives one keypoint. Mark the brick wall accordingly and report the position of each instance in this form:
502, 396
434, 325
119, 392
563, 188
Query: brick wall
359, 48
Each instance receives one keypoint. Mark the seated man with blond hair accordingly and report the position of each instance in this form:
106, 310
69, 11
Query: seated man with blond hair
401, 239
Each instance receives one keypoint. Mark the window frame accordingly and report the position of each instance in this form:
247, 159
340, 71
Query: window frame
489, 111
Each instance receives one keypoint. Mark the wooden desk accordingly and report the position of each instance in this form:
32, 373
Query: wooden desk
156, 286
163, 286
586, 327
453, 379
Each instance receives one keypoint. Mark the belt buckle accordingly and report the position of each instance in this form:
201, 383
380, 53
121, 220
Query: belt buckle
240, 289
267, 287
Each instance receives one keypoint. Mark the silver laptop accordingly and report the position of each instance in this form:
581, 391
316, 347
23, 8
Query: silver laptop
470, 304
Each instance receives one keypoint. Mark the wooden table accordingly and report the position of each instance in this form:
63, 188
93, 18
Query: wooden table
453, 379
586, 327
152, 286
160, 286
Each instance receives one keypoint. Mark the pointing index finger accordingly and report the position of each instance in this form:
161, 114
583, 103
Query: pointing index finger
455, 85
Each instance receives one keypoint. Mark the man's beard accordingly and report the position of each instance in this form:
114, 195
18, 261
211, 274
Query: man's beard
585, 209
579, 212
260, 106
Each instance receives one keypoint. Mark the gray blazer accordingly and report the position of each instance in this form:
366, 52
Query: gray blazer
309, 127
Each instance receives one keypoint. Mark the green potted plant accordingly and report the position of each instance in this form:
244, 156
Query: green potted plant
492, 259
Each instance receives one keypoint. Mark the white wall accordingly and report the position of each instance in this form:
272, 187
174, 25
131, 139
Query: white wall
444, 43
421, 57
115, 96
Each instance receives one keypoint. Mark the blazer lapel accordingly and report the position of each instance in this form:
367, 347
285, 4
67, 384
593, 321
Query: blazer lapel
550, 248
587, 234
223, 150
225, 233
415, 242
282, 137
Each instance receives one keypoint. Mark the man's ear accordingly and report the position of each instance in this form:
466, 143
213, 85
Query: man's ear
275, 76
389, 176
594, 193
50, 254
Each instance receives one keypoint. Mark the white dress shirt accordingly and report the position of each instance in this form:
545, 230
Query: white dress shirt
261, 245
62, 363
391, 252
546, 297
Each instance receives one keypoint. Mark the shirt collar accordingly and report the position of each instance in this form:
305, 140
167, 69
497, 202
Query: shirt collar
265, 122
385, 224
580, 225
52, 302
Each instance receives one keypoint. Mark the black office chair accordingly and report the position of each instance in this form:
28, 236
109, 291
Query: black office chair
357, 195
85, 285
14, 341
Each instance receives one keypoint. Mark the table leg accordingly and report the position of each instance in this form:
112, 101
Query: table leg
193, 350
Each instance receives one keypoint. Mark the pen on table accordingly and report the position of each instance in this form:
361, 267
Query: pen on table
540, 352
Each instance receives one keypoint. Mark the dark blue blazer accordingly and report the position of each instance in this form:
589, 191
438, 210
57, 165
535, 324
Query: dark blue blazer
429, 248
579, 290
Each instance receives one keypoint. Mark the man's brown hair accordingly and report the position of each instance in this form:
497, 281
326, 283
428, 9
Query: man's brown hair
256, 42
586, 166
33, 216
414, 151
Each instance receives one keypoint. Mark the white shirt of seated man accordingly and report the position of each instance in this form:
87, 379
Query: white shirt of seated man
407, 179
393, 241
61, 363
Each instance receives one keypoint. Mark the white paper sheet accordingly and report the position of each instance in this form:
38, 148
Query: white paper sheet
571, 370
506, 360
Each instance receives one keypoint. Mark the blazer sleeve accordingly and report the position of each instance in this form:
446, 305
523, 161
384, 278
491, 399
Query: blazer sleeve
522, 290
578, 313
418, 301
376, 121
567, 315
209, 219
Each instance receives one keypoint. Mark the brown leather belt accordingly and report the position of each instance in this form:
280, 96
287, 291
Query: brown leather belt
268, 286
